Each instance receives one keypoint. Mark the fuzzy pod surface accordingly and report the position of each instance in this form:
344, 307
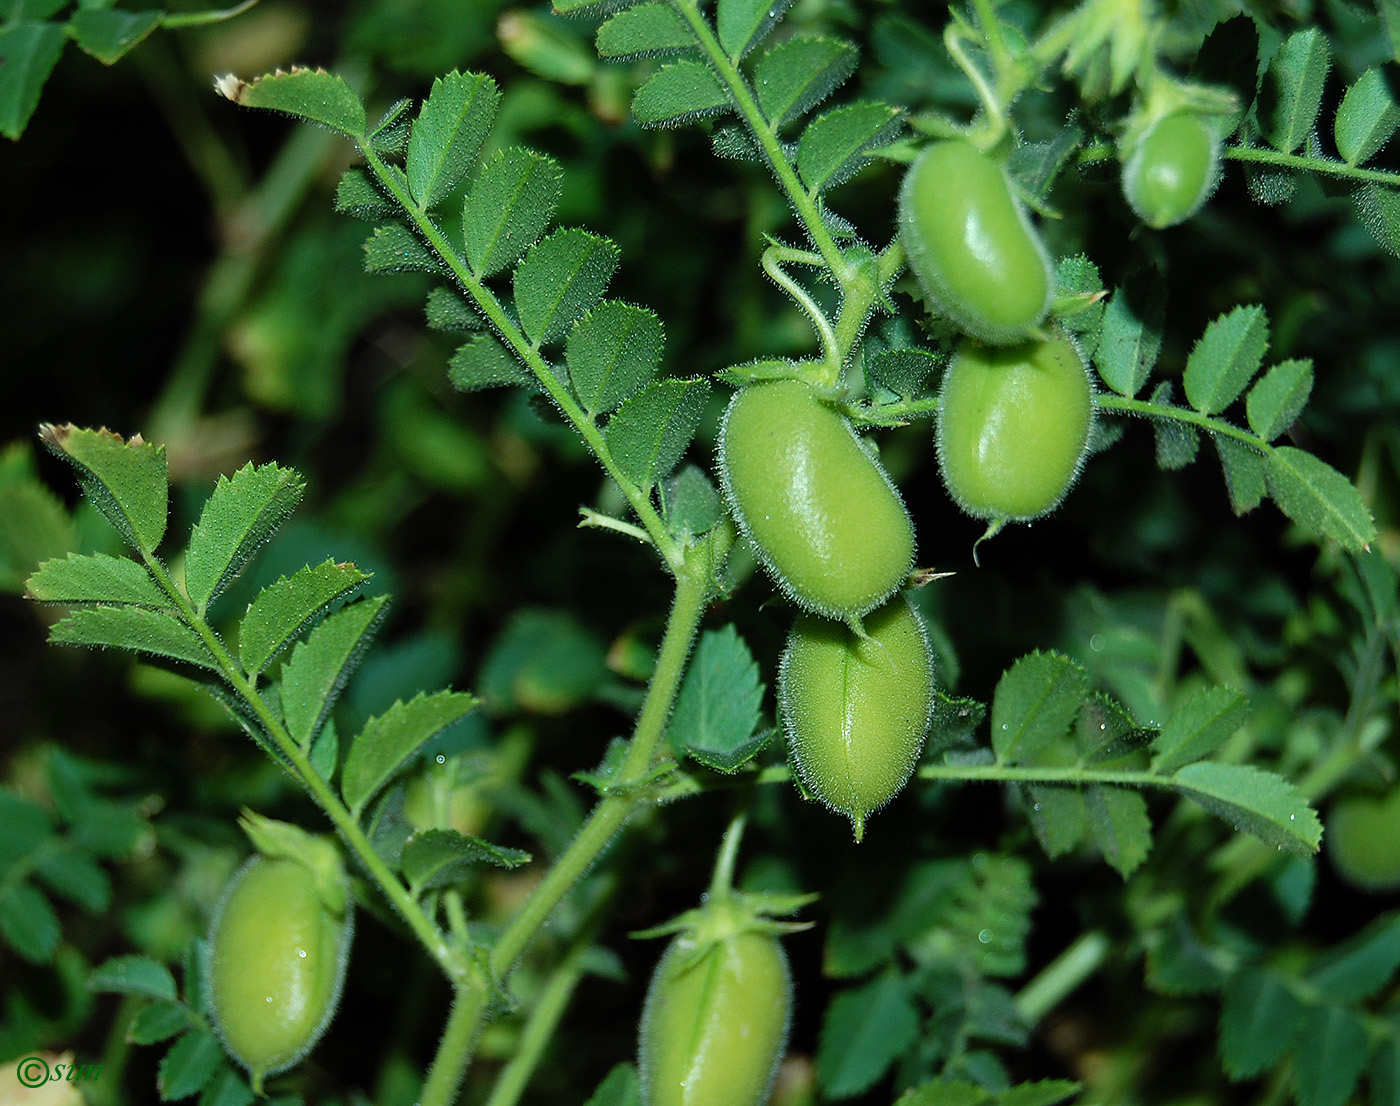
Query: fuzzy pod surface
715, 1022
276, 962
856, 710
1172, 169
971, 244
1013, 426
827, 521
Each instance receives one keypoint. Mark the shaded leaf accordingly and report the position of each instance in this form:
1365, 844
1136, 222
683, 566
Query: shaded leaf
447, 136
29, 50
650, 432
1259, 1017
620, 1087
1319, 498
794, 77
612, 352
677, 93
482, 362
544, 661
34, 524
388, 741
134, 975
393, 248
1132, 334
95, 578
242, 513
691, 503
1225, 359
561, 278
108, 35
1293, 87
1255, 801
390, 134
158, 1022
319, 666
1059, 816
126, 480
28, 922
1244, 472
509, 205
1325, 1073
716, 712
1378, 208
442, 857
447, 310
136, 628
1361, 967
357, 195
865, 1030
1118, 820
833, 146
902, 371
310, 94
189, 1065
284, 610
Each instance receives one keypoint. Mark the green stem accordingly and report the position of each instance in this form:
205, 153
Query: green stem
1262, 156
321, 791
1107, 402
693, 586
455, 1048
538, 1032
766, 135
527, 351
722, 881
773, 257
1062, 976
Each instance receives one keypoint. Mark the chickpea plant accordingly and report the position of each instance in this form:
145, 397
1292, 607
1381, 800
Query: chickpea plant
1021, 367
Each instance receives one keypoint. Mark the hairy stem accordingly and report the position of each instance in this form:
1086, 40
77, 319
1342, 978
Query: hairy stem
1263, 156
1107, 402
455, 1048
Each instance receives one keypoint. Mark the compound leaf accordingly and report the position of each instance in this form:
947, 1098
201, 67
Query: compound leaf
282, 611
136, 628
1367, 117
561, 278
447, 136
389, 740
1259, 802
678, 93
612, 352
95, 578
241, 514
716, 713
797, 75
509, 205
310, 94
1278, 398
1036, 701
651, 430
1197, 727
1319, 498
126, 480
833, 147
442, 857
1225, 358
319, 666
644, 31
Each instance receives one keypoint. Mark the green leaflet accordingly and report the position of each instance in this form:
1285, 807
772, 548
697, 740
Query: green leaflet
650, 432
284, 610
834, 146
1225, 359
242, 513
1034, 705
561, 278
319, 666
716, 712
1292, 92
1319, 498
612, 352
108, 35
508, 207
390, 740
1367, 117
137, 628
1278, 398
438, 858
31, 49
96, 578
310, 94
126, 480
794, 77
1253, 800
644, 31
447, 136
677, 93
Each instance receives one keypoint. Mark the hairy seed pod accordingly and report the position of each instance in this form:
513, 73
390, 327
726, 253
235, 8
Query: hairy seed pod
277, 957
856, 710
826, 520
1171, 169
971, 244
1013, 426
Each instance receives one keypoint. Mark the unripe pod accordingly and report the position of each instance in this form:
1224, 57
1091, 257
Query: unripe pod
971, 244
856, 710
715, 1021
1013, 426
277, 956
825, 518
1171, 169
